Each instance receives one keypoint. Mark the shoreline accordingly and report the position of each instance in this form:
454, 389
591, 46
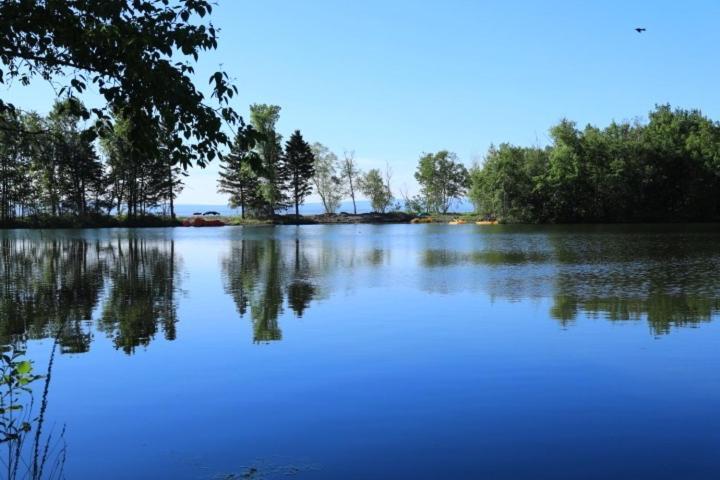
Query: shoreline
101, 222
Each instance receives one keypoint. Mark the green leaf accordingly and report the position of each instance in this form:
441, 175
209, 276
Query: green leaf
24, 367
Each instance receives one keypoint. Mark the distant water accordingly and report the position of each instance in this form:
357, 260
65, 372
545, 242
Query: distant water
311, 208
325, 352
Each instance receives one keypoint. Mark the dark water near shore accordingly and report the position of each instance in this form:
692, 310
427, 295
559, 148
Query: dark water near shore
361, 351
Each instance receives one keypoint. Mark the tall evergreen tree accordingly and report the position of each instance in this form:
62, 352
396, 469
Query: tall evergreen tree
269, 151
299, 167
237, 175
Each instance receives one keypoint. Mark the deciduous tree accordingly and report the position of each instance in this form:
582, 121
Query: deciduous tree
377, 189
326, 180
138, 55
350, 173
442, 180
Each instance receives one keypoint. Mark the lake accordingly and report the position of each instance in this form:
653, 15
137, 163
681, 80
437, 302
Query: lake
363, 351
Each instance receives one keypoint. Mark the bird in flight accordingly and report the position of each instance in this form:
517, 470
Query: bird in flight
640, 29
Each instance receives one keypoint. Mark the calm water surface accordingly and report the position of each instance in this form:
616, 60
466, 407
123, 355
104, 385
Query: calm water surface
408, 351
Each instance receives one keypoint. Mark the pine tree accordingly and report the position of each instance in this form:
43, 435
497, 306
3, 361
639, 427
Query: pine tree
268, 148
299, 168
238, 178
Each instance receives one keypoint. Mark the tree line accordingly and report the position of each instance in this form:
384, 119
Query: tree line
152, 121
263, 177
667, 169
54, 166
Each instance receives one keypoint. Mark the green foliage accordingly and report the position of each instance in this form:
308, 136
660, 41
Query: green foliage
327, 182
665, 170
271, 171
44, 455
50, 172
138, 55
16, 377
143, 182
377, 189
14, 166
350, 174
299, 164
238, 177
442, 180
505, 185
258, 175
48, 165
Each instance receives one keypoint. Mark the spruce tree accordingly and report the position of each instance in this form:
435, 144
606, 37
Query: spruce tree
238, 178
299, 168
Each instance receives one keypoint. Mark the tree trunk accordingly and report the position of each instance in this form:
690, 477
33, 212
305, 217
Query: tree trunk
352, 195
242, 203
170, 186
297, 207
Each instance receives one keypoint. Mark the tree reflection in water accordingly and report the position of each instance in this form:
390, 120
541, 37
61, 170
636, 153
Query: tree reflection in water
143, 277
55, 289
60, 285
260, 274
126, 286
667, 278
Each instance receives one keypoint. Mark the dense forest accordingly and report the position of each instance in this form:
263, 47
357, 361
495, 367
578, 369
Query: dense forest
667, 169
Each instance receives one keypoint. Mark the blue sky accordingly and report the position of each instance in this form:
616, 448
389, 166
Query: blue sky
392, 79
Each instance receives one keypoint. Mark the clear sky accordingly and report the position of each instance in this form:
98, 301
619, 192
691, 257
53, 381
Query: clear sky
392, 79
